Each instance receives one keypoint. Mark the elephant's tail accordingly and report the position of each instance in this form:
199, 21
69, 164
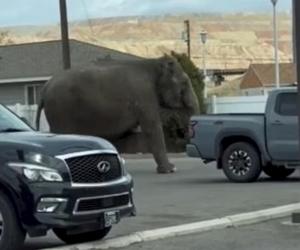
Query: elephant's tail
38, 114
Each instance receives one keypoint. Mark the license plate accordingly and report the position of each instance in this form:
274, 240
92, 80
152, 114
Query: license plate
111, 218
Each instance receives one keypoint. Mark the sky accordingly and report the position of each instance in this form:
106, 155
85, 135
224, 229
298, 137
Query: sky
40, 12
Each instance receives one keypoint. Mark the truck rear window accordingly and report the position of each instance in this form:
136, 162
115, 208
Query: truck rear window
286, 104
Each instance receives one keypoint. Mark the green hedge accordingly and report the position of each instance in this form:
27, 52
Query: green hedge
196, 77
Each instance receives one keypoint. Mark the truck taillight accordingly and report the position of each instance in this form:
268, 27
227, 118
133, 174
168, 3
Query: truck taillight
192, 126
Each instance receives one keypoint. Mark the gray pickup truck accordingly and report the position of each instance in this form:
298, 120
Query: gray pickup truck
244, 145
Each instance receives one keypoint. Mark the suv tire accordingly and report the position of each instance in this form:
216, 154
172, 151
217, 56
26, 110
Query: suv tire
12, 236
241, 162
63, 235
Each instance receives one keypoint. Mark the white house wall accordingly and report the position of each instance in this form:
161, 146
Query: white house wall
12, 93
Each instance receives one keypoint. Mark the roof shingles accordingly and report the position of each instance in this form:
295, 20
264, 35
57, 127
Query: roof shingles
259, 75
45, 58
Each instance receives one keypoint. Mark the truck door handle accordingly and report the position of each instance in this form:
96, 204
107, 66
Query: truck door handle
218, 122
277, 123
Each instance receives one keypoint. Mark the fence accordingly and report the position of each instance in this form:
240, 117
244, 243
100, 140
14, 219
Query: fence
29, 113
236, 104
215, 105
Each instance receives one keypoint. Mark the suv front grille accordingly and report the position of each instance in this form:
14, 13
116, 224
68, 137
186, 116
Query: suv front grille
85, 169
102, 203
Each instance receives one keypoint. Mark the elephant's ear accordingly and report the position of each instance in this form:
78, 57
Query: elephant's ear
168, 86
189, 98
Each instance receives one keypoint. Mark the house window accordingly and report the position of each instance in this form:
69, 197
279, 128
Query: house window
33, 93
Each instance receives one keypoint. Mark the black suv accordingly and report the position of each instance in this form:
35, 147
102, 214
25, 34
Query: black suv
75, 185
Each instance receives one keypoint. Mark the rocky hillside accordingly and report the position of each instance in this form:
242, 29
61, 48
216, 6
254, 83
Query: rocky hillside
234, 40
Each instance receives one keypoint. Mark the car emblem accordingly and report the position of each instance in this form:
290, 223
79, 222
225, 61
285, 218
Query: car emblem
103, 167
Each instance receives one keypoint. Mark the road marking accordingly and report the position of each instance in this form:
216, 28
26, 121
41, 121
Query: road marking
187, 229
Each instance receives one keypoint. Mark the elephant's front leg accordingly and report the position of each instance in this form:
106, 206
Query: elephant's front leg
153, 133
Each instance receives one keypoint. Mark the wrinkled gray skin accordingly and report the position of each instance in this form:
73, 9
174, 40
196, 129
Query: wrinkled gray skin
112, 100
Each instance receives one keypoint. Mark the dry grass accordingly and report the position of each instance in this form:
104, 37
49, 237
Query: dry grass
234, 41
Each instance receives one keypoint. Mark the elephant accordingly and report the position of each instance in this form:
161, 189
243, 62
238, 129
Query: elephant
113, 99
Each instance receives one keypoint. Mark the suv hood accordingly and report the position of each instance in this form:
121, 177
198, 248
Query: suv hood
54, 144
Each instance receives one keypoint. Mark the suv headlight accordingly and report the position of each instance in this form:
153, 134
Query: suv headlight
36, 173
35, 168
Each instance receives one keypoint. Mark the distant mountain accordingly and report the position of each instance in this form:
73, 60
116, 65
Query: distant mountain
234, 40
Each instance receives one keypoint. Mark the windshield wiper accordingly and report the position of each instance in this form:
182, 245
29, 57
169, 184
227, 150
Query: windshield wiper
7, 130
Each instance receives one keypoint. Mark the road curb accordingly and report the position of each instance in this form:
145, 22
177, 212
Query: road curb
191, 228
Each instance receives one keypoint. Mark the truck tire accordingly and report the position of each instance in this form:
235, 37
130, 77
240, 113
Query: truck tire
241, 162
12, 235
278, 172
63, 235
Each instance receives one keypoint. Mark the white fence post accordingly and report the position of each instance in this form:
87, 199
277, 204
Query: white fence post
214, 104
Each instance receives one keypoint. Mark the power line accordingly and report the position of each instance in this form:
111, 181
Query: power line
90, 24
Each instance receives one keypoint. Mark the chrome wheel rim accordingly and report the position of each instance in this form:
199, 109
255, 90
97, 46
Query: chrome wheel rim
240, 163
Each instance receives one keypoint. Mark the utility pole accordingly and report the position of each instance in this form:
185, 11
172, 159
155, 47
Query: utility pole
65, 34
296, 20
203, 36
188, 37
275, 40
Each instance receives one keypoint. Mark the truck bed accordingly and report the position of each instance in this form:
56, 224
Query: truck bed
210, 129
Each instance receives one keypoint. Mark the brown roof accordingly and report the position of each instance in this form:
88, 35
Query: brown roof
263, 75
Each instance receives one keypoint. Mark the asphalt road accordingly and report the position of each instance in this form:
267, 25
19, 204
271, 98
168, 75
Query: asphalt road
195, 193
267, 236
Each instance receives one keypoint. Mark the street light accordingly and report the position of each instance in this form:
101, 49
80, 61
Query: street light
275, 34
203, 37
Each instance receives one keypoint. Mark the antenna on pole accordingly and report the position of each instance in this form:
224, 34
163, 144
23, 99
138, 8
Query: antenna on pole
65, 34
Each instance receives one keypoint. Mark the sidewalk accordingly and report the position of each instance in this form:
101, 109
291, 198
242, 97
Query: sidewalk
272, 235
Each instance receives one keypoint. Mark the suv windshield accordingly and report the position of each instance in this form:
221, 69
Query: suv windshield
9, 122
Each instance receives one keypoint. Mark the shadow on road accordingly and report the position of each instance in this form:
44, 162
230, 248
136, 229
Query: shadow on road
224, 181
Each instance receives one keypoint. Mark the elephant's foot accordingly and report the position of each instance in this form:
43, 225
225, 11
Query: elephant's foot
166, 170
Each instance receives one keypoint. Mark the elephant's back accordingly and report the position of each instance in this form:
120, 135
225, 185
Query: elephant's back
82, 103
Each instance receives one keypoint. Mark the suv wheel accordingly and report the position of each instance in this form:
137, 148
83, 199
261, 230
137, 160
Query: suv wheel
278, 172
241, 162
63, 235
12, 236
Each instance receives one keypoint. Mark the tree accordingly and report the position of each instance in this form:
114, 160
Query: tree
196, 77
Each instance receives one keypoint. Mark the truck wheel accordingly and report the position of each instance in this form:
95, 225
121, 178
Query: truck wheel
63, 235
278, 172
241, 162
12, 236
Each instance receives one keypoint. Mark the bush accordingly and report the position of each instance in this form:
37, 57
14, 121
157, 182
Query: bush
196, 77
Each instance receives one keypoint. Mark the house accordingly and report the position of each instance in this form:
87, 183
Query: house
24, 68
260, 78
